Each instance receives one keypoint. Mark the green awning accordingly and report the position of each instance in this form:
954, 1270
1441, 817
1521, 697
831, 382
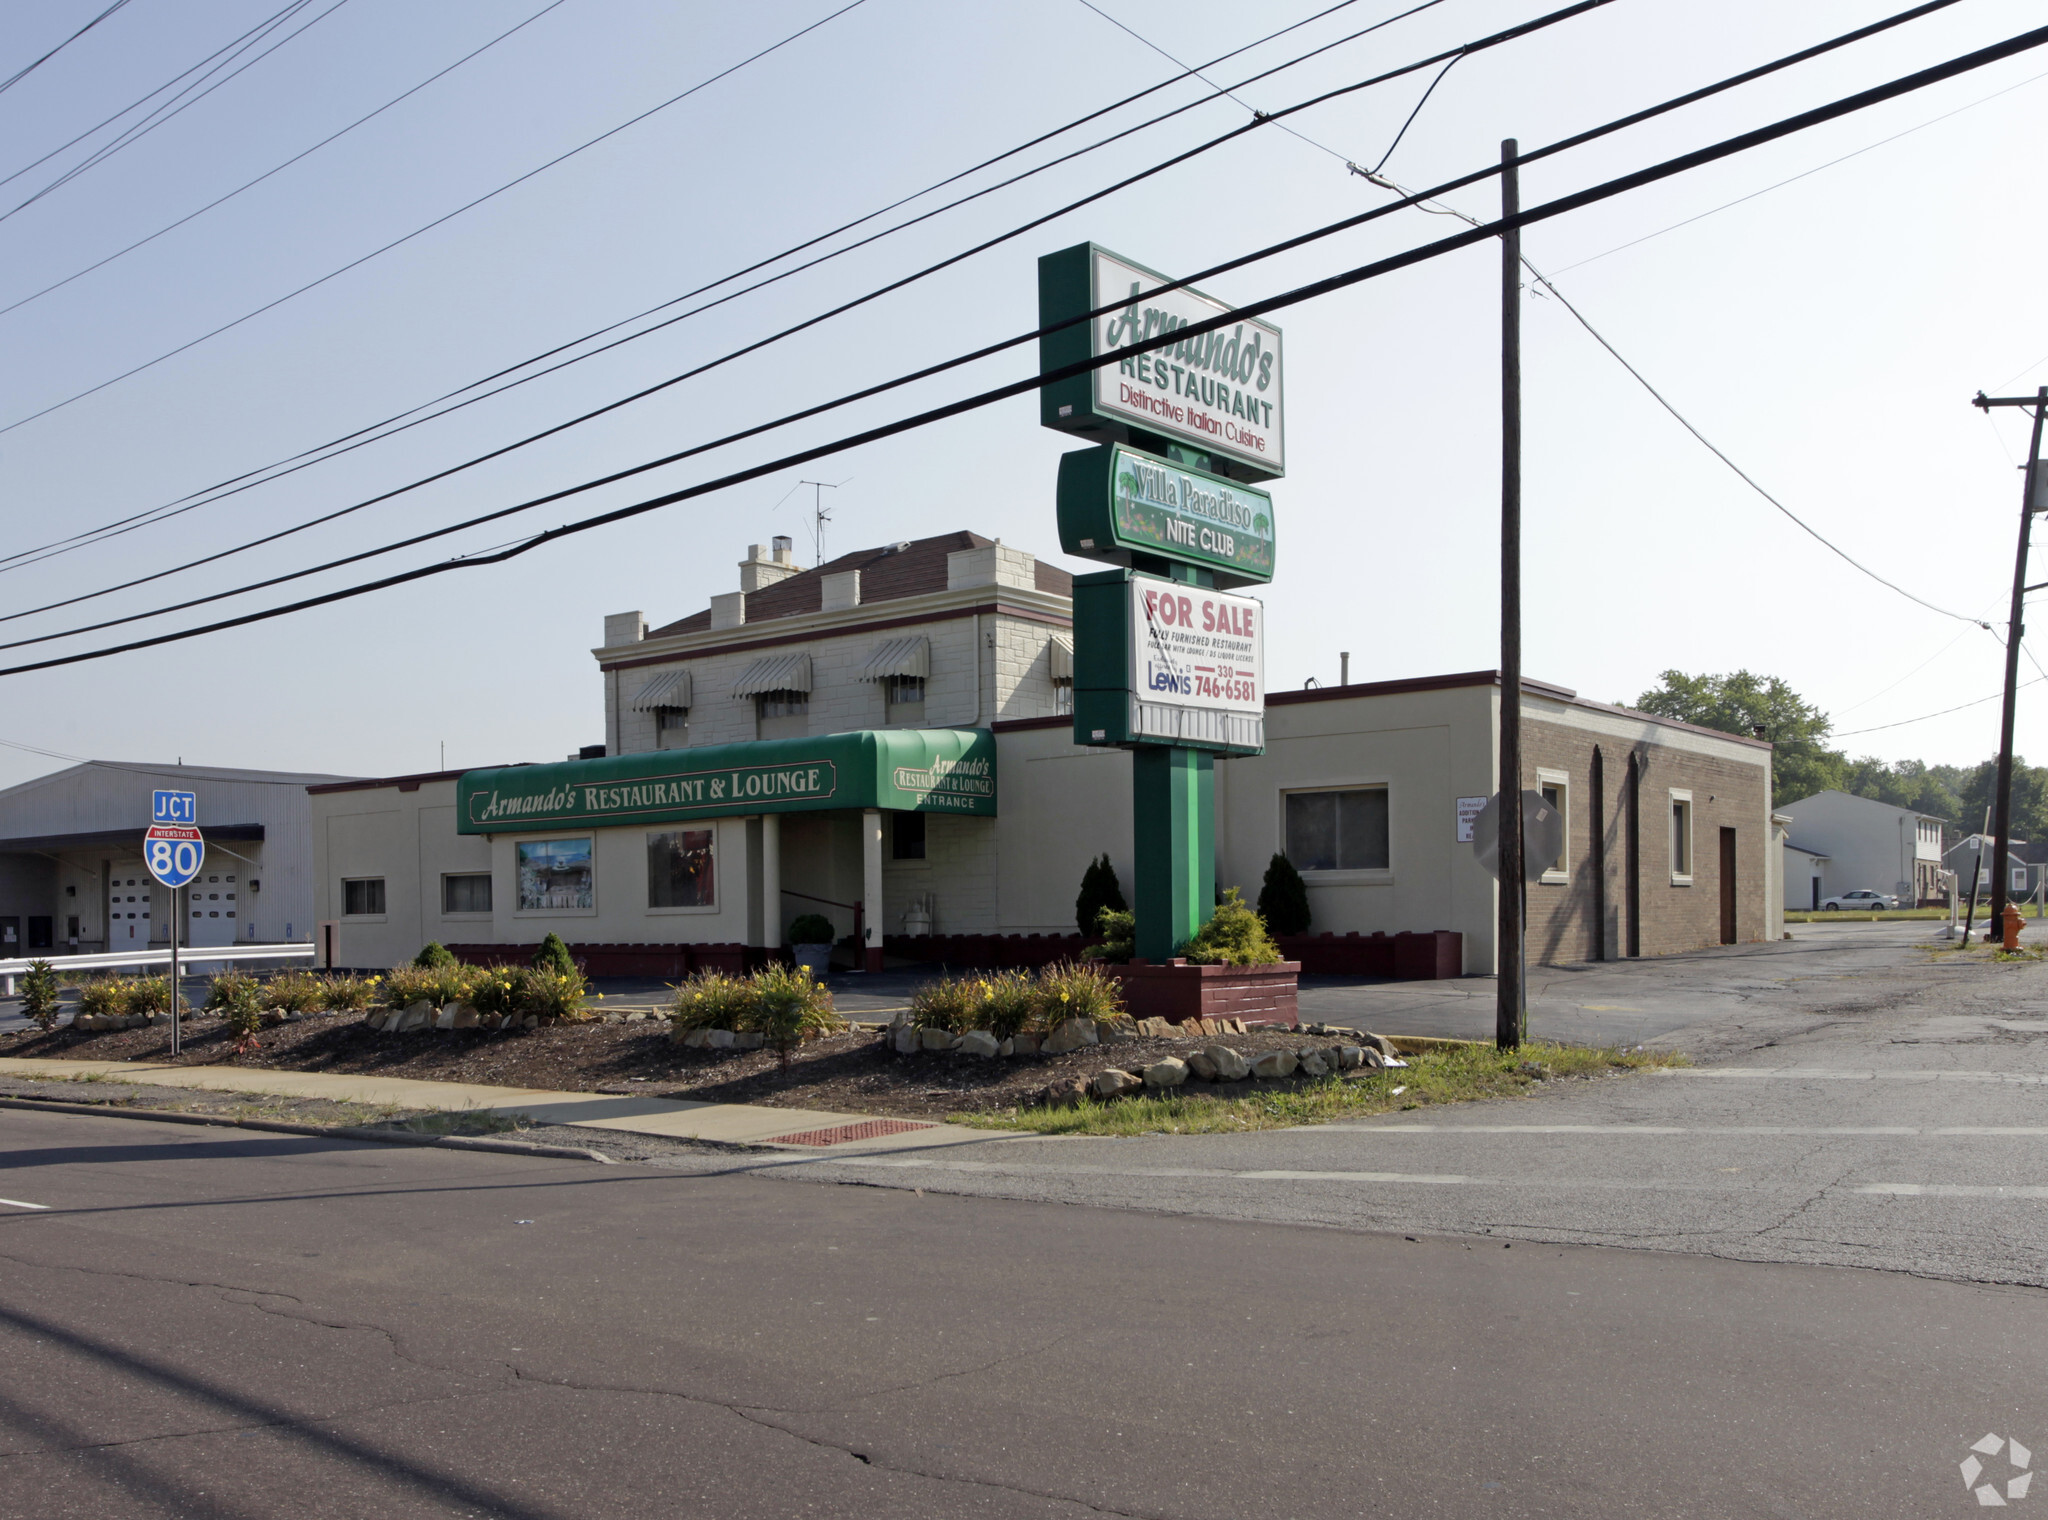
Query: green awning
914, 770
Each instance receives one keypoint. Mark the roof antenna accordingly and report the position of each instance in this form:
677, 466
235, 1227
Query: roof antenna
820, 515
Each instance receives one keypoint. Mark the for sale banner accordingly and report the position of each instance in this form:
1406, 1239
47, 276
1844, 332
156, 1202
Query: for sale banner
1197, 664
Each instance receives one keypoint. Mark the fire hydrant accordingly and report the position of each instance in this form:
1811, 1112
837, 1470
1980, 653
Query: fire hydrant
2011, 936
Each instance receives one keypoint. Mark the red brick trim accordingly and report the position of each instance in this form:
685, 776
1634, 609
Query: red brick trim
876, 625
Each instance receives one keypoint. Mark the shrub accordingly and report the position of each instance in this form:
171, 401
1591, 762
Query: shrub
348, 994
1283, 898
39, 994
1078, 990
405, 985
952, 1003
101, 995
790, 1008
223, 991
554, 995
712, 1000
1119, 931
1234, 936
296, 992
1012, 1002
811, 929
554, 956
433, 955
1099, 890
496, 990
150, 994
239, 1000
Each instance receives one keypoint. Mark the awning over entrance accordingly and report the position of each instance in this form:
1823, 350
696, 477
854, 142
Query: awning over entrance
900, 657
778, 672
913, 770
664, 693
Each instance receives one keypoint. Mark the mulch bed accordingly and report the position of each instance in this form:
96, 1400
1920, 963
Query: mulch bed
851, 1073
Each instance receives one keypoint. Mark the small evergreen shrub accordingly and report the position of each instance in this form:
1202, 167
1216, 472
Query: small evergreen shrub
39, 994
1283, 898
1234, 936
435, 955
1119, 930
1099, 890
811, 929
554, 956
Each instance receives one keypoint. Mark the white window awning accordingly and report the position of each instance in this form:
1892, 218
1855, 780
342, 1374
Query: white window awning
1059, 657
665, 692
899, 657
778, 672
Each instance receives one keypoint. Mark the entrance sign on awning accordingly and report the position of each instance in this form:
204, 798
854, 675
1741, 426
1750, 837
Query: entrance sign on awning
665, 693
924, 770
778, 672
1220, 393
910, 656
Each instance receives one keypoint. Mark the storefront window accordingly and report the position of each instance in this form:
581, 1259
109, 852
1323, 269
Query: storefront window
679, 869
555, 874
1338, 831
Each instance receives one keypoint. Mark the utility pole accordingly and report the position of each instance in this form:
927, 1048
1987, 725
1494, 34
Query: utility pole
2002, 807
1512, 1007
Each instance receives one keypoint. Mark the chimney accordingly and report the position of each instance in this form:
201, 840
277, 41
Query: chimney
625, 628
763, 567
840, 590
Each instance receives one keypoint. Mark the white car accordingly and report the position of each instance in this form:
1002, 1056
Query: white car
1868, 902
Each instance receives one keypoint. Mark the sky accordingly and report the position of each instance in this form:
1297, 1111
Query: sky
1826, 335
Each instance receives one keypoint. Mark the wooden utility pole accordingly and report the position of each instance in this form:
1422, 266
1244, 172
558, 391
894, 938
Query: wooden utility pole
1511, 1010
2002, 803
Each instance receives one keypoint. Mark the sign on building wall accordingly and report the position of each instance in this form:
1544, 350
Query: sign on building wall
1221, 392
1116, 501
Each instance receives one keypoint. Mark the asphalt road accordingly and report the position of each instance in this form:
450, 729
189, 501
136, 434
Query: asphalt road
212, 1324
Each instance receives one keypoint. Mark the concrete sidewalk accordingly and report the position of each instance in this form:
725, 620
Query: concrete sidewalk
671, 1118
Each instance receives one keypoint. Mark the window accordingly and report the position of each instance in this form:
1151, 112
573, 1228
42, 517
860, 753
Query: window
783, 714
554, 875
363, 896
904, 699
679, 869
1063, 701
468, 893
671, 727
1338, 831
41, 931
906, 836
1681, 837
1555, 788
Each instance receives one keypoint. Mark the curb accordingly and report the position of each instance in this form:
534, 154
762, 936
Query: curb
279, 1127
1417, 1044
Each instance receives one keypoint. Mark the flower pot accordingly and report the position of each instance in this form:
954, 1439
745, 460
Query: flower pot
816, 959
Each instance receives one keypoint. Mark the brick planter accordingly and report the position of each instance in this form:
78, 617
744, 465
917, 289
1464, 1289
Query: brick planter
1178, 991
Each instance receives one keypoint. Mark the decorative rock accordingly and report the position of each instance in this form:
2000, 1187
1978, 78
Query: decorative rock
1066, 1094
1380, 1043
1007, 1047
1350, 1057
462, 1016
939, 1039
749, 1039
1114, 1083
1313, 1064
1122, 1027
978, 1042
1203, 1065
714, 1039
1071, 1034
1275, 1063
1230, 1066
1024, 1045
531, 1021
905, 1038
1170, 1072
444, 1018
694, 1039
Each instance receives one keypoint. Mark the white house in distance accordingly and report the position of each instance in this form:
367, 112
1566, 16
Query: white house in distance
1838, 843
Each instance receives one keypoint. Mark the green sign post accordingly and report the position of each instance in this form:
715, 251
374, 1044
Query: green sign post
1167, 662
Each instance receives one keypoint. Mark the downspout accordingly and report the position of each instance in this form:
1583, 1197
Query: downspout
977, 672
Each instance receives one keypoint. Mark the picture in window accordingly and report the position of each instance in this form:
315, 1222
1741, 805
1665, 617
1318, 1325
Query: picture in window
1338, 830
679, 869
555, 873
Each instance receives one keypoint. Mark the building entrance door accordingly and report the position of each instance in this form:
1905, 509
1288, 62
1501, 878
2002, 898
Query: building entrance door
1727, 886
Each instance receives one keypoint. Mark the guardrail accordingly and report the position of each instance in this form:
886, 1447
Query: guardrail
188, 955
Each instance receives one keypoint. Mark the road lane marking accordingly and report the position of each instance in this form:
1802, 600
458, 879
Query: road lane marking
1625, 1130
16, 1203
1948, 1190
1850, 1074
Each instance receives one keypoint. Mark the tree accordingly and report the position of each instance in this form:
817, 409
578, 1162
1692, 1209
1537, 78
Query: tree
1283, 898
1757, 707
435, 956
554, 956
1978, 796
1099, 889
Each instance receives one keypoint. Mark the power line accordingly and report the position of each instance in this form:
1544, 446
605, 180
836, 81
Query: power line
428, 227
281, 167
1904, 722
136, 105
1378, 268
343, 444
27, 69
777, 337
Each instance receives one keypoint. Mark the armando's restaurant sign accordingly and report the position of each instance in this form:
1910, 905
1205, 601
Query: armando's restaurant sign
917, 770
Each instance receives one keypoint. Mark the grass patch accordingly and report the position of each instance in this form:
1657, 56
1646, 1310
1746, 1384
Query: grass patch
1454, 1074
1894, 915
464, 1122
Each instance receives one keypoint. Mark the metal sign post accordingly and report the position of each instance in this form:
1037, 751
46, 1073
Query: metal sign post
173, 850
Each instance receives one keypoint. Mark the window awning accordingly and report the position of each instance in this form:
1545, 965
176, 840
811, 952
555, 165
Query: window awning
1060, 657
778, 672
899, 657
671, 691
